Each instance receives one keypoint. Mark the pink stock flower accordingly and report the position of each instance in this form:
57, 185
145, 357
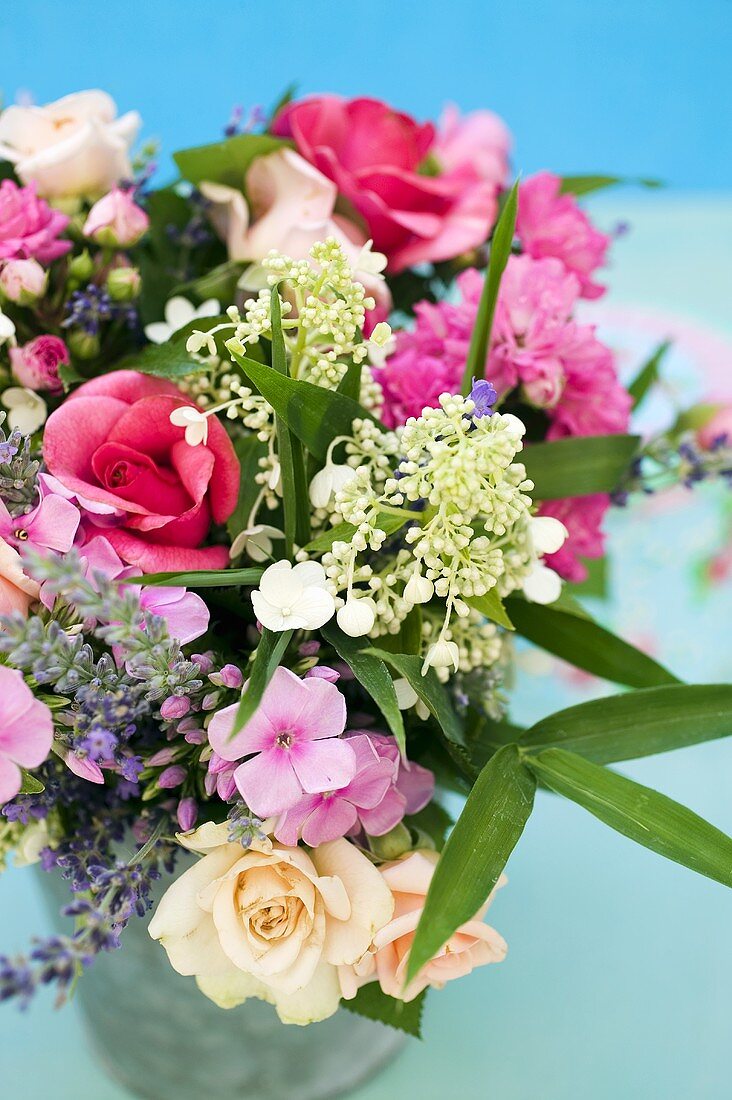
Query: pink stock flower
479, 141
29, 227
373, 154
36, 364
551, 224
116, 220
582, 516
112, 442
26, 731
293, 740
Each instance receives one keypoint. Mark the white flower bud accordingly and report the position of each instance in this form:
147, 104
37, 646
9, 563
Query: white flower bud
418, 589
357, 616
542, 585
327, 482
442, 654
548, 534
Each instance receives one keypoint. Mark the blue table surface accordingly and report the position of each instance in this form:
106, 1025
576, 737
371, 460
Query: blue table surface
618, 980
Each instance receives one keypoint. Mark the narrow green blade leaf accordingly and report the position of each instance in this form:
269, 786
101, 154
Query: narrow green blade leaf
579, 466
350, 383
584, 185
647, 376
295, 501
500, 251
476, 852
267, 656
374, 1004
639, 723
641, 814
491, 605
586, 644
372, 674
344, 532
315, 415
225, 161
202, 578
29, 784
249, 450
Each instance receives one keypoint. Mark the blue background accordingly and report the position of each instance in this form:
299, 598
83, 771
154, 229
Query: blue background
619, 977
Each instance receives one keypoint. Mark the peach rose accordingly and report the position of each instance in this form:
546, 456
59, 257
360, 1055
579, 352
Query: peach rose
473, 944
271, 922
17, 590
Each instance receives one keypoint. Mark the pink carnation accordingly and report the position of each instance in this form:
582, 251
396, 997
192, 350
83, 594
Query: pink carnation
582, 516
552, 224
29, 227
479, 141
36, 364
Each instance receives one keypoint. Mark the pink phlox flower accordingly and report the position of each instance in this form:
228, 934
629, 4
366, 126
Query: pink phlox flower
50, 526
26, 731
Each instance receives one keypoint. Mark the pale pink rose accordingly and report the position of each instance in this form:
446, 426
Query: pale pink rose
291, 207
717, 430
373, 154
26, 731
116, 220
22, 281
17, 590
480, 141
271, 922
473, 944
36, 363
551, 224
75, 146
29, 227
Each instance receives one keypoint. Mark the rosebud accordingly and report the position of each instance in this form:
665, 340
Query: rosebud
172, 777
84, 345
36, 364
116, 221
187, 813
123, 284
23, 281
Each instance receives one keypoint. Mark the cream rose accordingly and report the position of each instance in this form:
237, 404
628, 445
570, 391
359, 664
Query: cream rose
17, 590
74, 147
473, 944
271, 922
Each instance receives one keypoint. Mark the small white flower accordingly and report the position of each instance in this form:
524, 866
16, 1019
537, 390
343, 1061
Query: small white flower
7, 330
407, 698
418, 589
542, 585
381, 335
256, 541
179, 312
548, 534
194, 421
27, 409
372, 263
198, 340
442, 654
327, 482
293, 597
357, 616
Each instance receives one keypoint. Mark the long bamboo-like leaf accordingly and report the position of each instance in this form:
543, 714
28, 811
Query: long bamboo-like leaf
201, 578
295, 503
372, 674
647, 376
579, 466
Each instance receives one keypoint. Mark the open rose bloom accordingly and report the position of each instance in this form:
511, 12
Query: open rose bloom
282, 507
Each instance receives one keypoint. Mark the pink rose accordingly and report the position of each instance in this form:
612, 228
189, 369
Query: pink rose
551, 224
717, 430
479, 141
29, 228
373, 153
116, 220
22, 281
26, 731
473, 944
17, 590
36, 363
112, 443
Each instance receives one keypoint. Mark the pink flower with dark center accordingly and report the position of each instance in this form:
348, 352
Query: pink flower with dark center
51, 525
551, 224
26, 731
29, 227
293, 741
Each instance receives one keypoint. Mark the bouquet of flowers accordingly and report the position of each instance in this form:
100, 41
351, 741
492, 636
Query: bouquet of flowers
294, 449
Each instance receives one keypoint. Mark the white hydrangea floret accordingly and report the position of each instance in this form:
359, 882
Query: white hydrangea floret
293, 597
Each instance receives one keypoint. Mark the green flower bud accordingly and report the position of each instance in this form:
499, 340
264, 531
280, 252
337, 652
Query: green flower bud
123, 284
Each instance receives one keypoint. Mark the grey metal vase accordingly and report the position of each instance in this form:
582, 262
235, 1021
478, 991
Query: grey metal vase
160, 1037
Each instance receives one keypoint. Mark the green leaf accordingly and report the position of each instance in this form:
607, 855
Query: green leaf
500, 251
434, 821
597, 581
29, 784
434, 696
225, 161
648, 375
637, 723
579, 466
344, 532
372, 674
584, 185
168, 360
585, 644
476, 852
267, 657
295, 502
249, 449
202, 578
315, 415
641, 814
69, 376
491, 605
350, 383
374, 1004
408, 638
